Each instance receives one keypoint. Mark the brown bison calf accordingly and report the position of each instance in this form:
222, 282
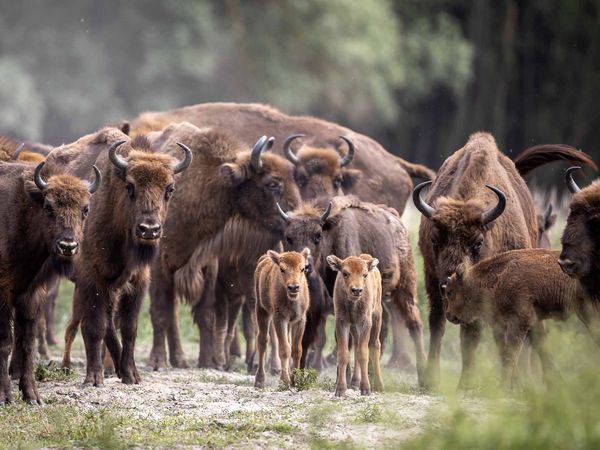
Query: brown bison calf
282, 298
358, 311
514, 292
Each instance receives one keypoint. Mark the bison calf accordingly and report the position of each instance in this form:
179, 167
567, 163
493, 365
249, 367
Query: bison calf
281, 297
514, 292
358, 311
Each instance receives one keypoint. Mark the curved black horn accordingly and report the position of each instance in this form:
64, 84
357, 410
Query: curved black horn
423, 207
496, 211
287, 151
255, 160
180, 166
118, 161
350, 155
326, 214
282, 213
37, 177
18, 151
573, 188
97, 180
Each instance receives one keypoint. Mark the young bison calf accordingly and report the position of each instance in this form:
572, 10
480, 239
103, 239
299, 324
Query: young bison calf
514, 292
357, 308
282, 298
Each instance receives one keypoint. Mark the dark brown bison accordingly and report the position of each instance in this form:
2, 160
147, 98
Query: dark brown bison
358, 313
478, 206
282, 298
580, 256
122, 237
328, 159
225, 211
513, 292
350, 227
43, 219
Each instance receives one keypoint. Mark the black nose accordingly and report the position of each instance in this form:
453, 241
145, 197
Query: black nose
149, 230
68, 247
452, 318
293, 288
567, 266
356, 291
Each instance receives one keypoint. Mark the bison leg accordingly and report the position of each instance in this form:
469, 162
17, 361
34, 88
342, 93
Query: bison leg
275, 360
510, 341
205, 318
362, 353
112, 358
232, 345
399, 357
264, 325
405, 307
356, 373
297, 333
318, 360
70, 334
6, 336
250, 329
342, 332
16, 358
537, 337
96, 314
437, 324
41, 337
26, 317
129, 311
220, 330
49, 308
470, 335
375, 354
281, 328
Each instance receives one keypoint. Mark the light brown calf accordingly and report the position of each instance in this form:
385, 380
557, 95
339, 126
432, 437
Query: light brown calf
282, 298
514, 292
358, 311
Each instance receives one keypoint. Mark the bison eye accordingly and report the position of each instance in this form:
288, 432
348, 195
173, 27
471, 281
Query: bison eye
337, 181
290, 240
48, 209
346, 274
85, 211
282, 270
365, 275
273, 185
169, 191
318, 238
476, 248
130, 190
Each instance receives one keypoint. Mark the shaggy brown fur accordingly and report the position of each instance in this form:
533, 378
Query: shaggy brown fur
355, 227
113, 270
384, 178
358, 312
456, 232
514, 292
281, 293
37, 224
580, 256
224, 213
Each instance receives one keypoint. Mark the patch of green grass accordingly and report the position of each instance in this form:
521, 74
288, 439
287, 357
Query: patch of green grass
305, 378
370, 413
52, 372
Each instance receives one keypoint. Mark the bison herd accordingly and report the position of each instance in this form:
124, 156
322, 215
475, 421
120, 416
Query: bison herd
193, 205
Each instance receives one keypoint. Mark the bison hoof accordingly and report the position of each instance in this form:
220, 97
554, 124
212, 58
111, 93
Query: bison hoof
179, 363
259, 384
275, 371
365, 391
34, 402
339, 392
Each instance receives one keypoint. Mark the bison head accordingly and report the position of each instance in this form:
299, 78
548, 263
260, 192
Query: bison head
353, 273
292, 267
321, 171
66, 202
459, 230
304, 228
260, 180
146, 183
462, 306
580, 242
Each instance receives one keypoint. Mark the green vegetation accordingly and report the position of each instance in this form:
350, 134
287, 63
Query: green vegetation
52, 372
305, 378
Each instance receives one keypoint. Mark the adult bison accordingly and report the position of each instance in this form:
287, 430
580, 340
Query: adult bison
225, 211
328, 159
122, 236
580, 255
478, 206
347, 227
42, 218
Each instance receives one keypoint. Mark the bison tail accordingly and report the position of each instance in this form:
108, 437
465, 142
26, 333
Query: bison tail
539, 155
417, 170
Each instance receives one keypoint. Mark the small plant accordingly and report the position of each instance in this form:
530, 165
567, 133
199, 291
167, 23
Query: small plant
51, 372
371, 413
305, 378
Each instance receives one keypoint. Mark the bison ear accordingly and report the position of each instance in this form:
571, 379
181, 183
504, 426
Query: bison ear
306, 253
232, 172
372, 264
33, 191
125, 127
334, 262
275, 257
350, 177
